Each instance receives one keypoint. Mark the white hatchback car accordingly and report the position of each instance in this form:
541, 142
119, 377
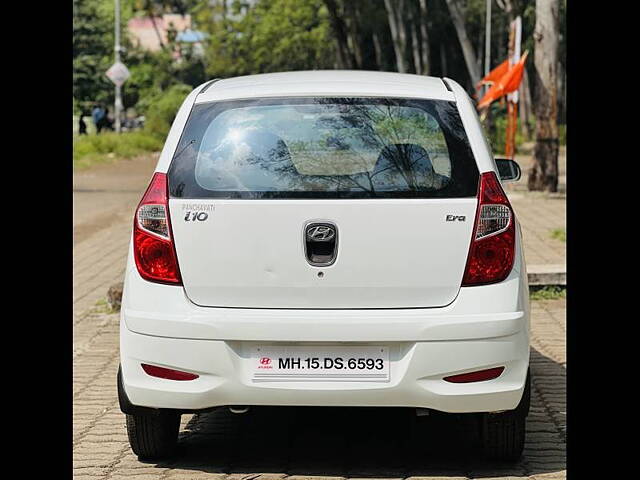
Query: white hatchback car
326, 238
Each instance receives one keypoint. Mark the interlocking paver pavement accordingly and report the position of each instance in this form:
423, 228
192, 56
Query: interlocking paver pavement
312, 442
298, 443
539, 214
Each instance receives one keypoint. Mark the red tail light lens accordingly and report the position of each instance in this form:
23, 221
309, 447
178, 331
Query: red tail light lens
478, 376
153, 247
168, 373
492, 250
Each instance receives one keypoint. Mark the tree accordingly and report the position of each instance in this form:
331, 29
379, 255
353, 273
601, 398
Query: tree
426, 63
344, 56
396, 13
92, 52
266, 36
457, 17
544, 172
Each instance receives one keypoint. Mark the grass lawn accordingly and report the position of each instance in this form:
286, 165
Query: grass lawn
106, 147
559, 234
547, 292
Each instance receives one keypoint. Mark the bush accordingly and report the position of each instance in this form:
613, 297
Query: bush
163, 108
90, 149
547, 292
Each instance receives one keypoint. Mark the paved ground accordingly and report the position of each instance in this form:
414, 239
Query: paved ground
294, 443
540, 214
104, 200
303, 442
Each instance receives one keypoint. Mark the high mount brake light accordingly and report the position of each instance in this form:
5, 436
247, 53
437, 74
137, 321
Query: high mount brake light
492, 249
153, 247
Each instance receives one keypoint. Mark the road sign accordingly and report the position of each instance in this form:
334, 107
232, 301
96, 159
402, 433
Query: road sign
118, 73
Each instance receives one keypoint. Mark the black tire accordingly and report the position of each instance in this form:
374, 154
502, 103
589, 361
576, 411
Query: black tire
503, 434
153, 436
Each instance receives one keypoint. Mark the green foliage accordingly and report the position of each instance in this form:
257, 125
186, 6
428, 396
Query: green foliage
92, 52
559, 234
547, 292
258, 36
102, 306
562, 134
153, 73
163, 108
91, 149
271, 36
497, 133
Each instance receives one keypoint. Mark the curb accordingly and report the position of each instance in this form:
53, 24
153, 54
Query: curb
544, 275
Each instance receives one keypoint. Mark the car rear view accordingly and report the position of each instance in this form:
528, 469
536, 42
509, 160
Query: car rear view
325, 239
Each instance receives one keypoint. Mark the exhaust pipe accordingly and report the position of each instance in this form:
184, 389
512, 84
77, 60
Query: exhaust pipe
239, 409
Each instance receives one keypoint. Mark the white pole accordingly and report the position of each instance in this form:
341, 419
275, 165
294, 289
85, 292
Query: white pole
487, 41
118, 103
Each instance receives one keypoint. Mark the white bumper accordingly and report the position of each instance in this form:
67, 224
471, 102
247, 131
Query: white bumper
485, 326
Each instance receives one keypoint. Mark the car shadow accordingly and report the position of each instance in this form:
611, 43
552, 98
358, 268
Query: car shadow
370, 442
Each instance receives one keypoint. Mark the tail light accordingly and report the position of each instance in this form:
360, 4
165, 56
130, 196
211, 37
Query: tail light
492, 250
153, 247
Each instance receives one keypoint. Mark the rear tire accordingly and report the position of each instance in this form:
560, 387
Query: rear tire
153, 436
503, 434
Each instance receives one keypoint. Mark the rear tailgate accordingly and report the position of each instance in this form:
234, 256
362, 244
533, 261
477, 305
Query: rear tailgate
255, 183
390, 254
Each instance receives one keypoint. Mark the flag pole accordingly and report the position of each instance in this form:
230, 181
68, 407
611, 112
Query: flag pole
118, 102
487, 44
515, 33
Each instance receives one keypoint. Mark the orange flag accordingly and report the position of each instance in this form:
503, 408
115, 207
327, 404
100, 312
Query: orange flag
509, 82
495, 74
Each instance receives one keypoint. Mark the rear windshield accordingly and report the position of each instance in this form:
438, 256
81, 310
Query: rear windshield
324, 148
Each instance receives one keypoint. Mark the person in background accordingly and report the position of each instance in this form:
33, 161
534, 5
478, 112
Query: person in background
82, 125
98, 114
107, 120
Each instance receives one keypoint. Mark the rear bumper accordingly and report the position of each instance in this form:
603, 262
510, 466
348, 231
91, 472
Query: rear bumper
484, 327
417, 369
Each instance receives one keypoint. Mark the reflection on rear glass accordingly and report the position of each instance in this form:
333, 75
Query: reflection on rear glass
323, 147
355, 147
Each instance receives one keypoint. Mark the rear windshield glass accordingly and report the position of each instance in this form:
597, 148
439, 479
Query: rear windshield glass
324, 148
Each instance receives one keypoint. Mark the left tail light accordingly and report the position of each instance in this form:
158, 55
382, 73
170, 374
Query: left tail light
153, 247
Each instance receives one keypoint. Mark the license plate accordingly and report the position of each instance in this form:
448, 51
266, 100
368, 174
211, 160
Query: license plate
326, 363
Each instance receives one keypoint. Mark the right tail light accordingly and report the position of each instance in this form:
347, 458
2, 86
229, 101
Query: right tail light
492, 249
